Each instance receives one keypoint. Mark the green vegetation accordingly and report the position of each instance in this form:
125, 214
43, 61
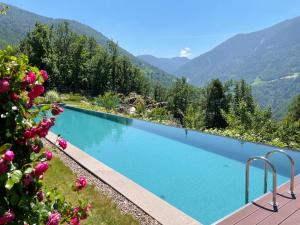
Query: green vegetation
52, 97
104, 211
109, 100
78, 64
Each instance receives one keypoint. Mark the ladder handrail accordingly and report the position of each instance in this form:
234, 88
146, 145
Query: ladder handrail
274, 203
292, 170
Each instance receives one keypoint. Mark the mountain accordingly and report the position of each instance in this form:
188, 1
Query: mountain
269, 59
170, 65
17, 22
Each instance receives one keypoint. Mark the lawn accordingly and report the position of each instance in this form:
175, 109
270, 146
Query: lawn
104, 210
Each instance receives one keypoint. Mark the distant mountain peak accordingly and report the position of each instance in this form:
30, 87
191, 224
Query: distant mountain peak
170, 65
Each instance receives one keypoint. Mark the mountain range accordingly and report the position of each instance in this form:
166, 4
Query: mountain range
170, 65
17, 22
268, 59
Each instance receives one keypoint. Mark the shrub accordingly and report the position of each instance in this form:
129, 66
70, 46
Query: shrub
52, 97
140, 108
159, 114
109, 100
23, 159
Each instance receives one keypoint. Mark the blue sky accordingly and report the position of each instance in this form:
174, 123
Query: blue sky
168, 28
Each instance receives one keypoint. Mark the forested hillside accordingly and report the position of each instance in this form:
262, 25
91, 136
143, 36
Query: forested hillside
17, 22
270, 56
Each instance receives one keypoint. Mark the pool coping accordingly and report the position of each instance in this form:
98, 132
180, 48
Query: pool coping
157, 208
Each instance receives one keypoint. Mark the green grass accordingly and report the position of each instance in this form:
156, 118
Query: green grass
104, 211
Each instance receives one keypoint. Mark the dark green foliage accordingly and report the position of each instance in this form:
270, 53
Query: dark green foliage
216, 103
180, 97
76, 63
294, 110
159, 93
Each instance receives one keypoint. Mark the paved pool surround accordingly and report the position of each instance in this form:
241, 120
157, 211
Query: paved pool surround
160, 210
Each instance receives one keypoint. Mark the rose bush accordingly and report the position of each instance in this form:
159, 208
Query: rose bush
23, 158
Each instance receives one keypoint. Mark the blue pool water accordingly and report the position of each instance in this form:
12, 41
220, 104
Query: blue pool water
203, 175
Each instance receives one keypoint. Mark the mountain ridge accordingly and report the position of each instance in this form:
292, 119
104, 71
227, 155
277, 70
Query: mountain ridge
170, 65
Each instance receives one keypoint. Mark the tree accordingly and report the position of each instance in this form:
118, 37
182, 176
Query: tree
294, 109
216, 103
159, 93
242, 93
113, 50
179, 98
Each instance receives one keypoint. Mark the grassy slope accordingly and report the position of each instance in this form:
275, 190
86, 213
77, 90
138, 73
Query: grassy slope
104, 211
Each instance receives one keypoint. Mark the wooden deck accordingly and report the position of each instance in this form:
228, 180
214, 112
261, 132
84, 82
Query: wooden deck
262, 213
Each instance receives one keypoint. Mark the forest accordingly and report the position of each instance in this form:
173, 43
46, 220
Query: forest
77, 64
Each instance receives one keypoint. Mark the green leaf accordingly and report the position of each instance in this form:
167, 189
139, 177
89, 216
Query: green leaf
28, 170
16, 176
9, 184
33, 156
45, 107
5, 147
13, 178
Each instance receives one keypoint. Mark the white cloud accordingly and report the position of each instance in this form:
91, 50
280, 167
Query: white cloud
186, 52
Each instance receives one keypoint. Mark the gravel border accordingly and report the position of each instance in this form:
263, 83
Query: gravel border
125, 205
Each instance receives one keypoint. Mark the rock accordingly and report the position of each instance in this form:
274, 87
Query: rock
121, 109
132, 110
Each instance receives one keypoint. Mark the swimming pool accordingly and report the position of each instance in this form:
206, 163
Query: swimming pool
203, 175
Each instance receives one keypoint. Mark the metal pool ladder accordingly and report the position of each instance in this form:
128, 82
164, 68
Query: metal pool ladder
292, 174
274, 174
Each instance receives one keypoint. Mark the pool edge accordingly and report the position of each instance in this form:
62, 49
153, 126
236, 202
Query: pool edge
157, 208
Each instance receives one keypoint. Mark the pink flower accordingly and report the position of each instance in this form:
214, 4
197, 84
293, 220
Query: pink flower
3, 166
54, 218
14, 96
44, 126
41, 168
4, 86
62, 143
44, 74
36, 91
7, 217
9, 156
56, 110
27, 179
36, 149
40, 195
49, 155
75, 221
30, 77
80, 183
29, 133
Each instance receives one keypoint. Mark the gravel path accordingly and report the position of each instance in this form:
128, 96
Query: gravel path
122, 202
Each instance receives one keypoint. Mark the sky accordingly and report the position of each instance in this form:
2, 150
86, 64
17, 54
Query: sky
167, 28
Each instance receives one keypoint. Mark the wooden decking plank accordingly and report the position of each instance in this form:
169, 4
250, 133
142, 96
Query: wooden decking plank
285, 211
263, 212
250, 209
244, 216
293, 219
